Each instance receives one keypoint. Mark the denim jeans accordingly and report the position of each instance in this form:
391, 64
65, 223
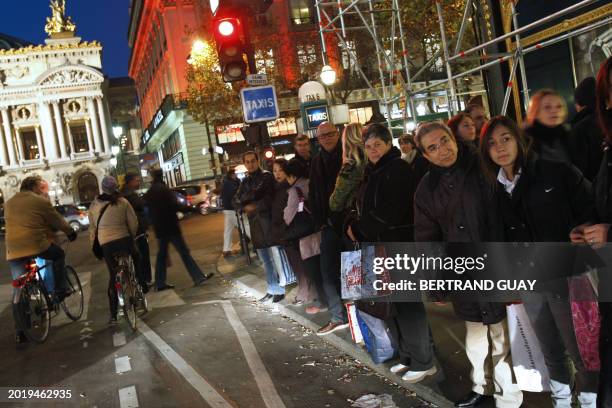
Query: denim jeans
162, 255
331, 247
265, 254
144, 272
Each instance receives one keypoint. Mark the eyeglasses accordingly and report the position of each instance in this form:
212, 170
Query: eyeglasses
328, 135
434, 148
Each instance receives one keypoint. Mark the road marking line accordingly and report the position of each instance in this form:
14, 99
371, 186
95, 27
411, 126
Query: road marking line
210, 395
262, 377
211, 302
122, 365
85, 278
119, 339
128, 398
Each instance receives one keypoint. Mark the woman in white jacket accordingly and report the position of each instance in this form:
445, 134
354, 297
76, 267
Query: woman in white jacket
116, 231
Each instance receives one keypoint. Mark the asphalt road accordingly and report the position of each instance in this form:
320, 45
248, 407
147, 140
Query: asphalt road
198, 347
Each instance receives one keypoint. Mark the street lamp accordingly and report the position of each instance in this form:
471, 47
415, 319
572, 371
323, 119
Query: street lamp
328, 75
117, 132
115, 150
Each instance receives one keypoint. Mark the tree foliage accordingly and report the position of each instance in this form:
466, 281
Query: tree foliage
209, 99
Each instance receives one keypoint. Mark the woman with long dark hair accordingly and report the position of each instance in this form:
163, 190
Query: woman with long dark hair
113, 220
463, 128
599, 234
542, 201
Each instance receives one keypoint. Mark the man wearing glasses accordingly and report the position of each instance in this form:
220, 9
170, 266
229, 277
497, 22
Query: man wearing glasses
324, 169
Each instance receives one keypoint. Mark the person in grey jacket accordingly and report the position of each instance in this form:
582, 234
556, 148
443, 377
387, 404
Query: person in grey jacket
116, 230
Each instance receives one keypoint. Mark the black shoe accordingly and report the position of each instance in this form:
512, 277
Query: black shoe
165, 286
20, 337
206, 277
277, 298
145, 288
472, 400
266, 298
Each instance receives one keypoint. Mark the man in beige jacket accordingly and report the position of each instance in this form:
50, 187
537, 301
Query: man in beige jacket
31, 223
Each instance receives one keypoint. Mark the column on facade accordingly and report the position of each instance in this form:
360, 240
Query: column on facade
39, 141
3, 157
89, 136
59, 126
20, 151
48, 129
95, 127
8, 137
70, 140
103, 124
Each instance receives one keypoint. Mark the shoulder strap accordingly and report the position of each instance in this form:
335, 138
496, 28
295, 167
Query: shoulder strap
100, 218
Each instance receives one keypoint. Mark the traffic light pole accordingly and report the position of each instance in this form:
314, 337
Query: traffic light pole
250, 52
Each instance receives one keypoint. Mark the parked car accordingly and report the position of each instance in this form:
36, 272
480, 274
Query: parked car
199, 196
75, 216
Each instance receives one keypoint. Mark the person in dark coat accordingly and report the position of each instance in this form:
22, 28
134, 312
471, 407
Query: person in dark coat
324, 170
230, 221
132, 184
586, 135
599, 234
384, 203
543, 201
254, 197
449, 207
163, 207
303, 156
546, 126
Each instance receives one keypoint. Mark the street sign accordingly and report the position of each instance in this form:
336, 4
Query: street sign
257, 79
315, 115
259, 104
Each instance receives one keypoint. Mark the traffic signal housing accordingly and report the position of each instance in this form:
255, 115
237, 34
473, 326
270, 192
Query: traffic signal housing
231, 49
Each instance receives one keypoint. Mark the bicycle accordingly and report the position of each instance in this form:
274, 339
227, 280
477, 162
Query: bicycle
33, 304
128, 289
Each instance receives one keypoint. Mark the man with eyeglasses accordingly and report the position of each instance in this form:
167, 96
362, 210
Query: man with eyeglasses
449, 207
324, 170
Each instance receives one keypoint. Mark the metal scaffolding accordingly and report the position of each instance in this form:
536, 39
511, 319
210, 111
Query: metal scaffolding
336, 17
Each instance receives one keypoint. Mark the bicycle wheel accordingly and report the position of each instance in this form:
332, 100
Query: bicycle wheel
73, 304
129, 300
32, 314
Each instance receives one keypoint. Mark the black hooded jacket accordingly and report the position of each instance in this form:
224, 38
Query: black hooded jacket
384, 201
586, 142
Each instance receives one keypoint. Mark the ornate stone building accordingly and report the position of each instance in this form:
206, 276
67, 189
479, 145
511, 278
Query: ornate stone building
54, 119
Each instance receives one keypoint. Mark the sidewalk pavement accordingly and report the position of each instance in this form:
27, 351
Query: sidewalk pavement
452, 382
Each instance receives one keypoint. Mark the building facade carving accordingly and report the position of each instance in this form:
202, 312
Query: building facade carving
53, 116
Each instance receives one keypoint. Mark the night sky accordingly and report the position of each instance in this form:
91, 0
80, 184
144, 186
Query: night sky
104, 21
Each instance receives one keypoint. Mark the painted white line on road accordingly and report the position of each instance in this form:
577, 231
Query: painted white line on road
211, 302
262, 377
119, 339
122, 365
166, 298
85, 278
208, 393
128, 398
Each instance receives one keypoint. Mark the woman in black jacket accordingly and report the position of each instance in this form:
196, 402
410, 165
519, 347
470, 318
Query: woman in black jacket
600, 234
542, 201
546, 126
384, 206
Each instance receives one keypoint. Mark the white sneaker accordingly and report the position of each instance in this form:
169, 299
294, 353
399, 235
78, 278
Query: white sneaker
416, 376
397, 368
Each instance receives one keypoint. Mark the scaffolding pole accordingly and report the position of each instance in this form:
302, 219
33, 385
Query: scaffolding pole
391, 54
449, 71
521, 60
527, 50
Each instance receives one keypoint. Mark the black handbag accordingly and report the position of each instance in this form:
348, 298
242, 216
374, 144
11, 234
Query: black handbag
97, 248
302, 224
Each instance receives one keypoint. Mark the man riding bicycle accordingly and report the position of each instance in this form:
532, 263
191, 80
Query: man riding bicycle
31, 223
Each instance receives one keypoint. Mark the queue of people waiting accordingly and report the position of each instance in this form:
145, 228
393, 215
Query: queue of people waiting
545, 182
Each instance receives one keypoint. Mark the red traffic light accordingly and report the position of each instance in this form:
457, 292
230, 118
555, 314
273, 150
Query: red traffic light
226, 28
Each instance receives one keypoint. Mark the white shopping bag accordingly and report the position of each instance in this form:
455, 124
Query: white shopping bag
351, 310
527, 358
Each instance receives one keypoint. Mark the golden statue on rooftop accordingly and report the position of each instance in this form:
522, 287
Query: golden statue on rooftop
58, 25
